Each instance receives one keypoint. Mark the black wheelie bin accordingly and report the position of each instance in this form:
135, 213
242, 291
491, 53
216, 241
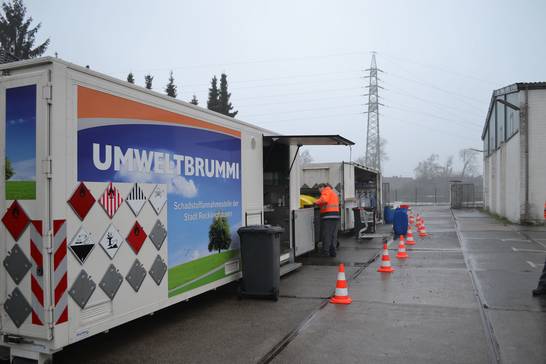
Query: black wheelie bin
260, 255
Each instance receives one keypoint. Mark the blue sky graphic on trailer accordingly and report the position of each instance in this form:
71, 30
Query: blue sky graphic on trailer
21, 132
201, 169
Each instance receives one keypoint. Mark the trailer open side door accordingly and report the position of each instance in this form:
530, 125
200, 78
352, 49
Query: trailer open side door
25, 245
302, 223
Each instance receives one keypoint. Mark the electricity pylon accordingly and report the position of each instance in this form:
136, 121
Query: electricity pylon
373, 146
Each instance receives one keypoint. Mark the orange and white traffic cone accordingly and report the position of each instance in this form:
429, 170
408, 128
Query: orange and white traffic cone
409, 237
411, 220
386, 266
402, 254
342, 291
423, 231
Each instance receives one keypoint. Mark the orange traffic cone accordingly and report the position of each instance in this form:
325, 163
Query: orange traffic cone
385, 261
402, 254
409, 237
423, 231
342, 292
411, 220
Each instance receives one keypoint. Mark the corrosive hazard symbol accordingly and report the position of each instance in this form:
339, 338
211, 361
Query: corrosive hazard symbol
81, 201
81, 245
136, 199
16, 220
111, 200
111, 241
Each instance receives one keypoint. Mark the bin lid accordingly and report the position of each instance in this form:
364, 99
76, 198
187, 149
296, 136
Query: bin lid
264, 229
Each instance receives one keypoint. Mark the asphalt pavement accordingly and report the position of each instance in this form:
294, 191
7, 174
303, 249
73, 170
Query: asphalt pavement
462, 296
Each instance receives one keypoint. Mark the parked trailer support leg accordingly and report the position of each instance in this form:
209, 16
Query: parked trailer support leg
22, 356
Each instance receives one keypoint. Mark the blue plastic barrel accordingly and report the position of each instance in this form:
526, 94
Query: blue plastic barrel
400, 222
388, 213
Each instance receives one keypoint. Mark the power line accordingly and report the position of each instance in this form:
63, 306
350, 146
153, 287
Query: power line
435, 87
284, 77
237, 63
312, 118
429, 101
297, 93
304, 110
275, 85
466, 124
301, 101
438, 68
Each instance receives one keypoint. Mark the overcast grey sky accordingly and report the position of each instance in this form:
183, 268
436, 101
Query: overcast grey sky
296, 67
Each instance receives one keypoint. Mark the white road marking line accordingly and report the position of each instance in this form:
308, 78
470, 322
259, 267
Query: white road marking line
534, 265
528, 250
538, 241
503, 240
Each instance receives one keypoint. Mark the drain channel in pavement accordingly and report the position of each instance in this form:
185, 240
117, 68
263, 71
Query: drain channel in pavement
277, 349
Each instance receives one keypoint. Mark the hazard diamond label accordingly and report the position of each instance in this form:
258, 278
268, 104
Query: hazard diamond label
81, 201
136, 237
111, 200
111, 241
158, 198
16, 220
81, 245
136, 199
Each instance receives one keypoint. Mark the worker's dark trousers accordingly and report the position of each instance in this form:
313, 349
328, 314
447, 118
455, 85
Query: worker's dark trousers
542, 280
329, 235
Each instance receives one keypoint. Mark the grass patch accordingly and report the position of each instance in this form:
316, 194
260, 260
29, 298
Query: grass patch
208, 279
188, 271
20, 190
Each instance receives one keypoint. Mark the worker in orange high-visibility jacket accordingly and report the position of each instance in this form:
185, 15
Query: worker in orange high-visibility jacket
329, 215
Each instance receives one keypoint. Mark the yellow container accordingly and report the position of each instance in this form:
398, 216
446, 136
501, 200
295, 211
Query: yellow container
306, 201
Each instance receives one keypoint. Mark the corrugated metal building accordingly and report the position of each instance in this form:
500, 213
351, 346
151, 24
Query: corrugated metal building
514, 138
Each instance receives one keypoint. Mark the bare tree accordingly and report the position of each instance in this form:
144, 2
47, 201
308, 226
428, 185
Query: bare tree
468, 159
429, 168
447, 169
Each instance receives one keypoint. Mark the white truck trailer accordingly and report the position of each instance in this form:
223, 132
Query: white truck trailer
109, 194
357, 186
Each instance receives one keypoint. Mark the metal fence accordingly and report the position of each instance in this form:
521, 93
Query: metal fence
469, 195
465, 195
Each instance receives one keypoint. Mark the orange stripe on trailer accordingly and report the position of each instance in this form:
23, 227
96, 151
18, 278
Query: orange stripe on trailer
97, 104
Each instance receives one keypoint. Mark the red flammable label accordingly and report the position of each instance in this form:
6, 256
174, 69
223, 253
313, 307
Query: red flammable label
111, 200
16, 220
136, 237
81, 201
